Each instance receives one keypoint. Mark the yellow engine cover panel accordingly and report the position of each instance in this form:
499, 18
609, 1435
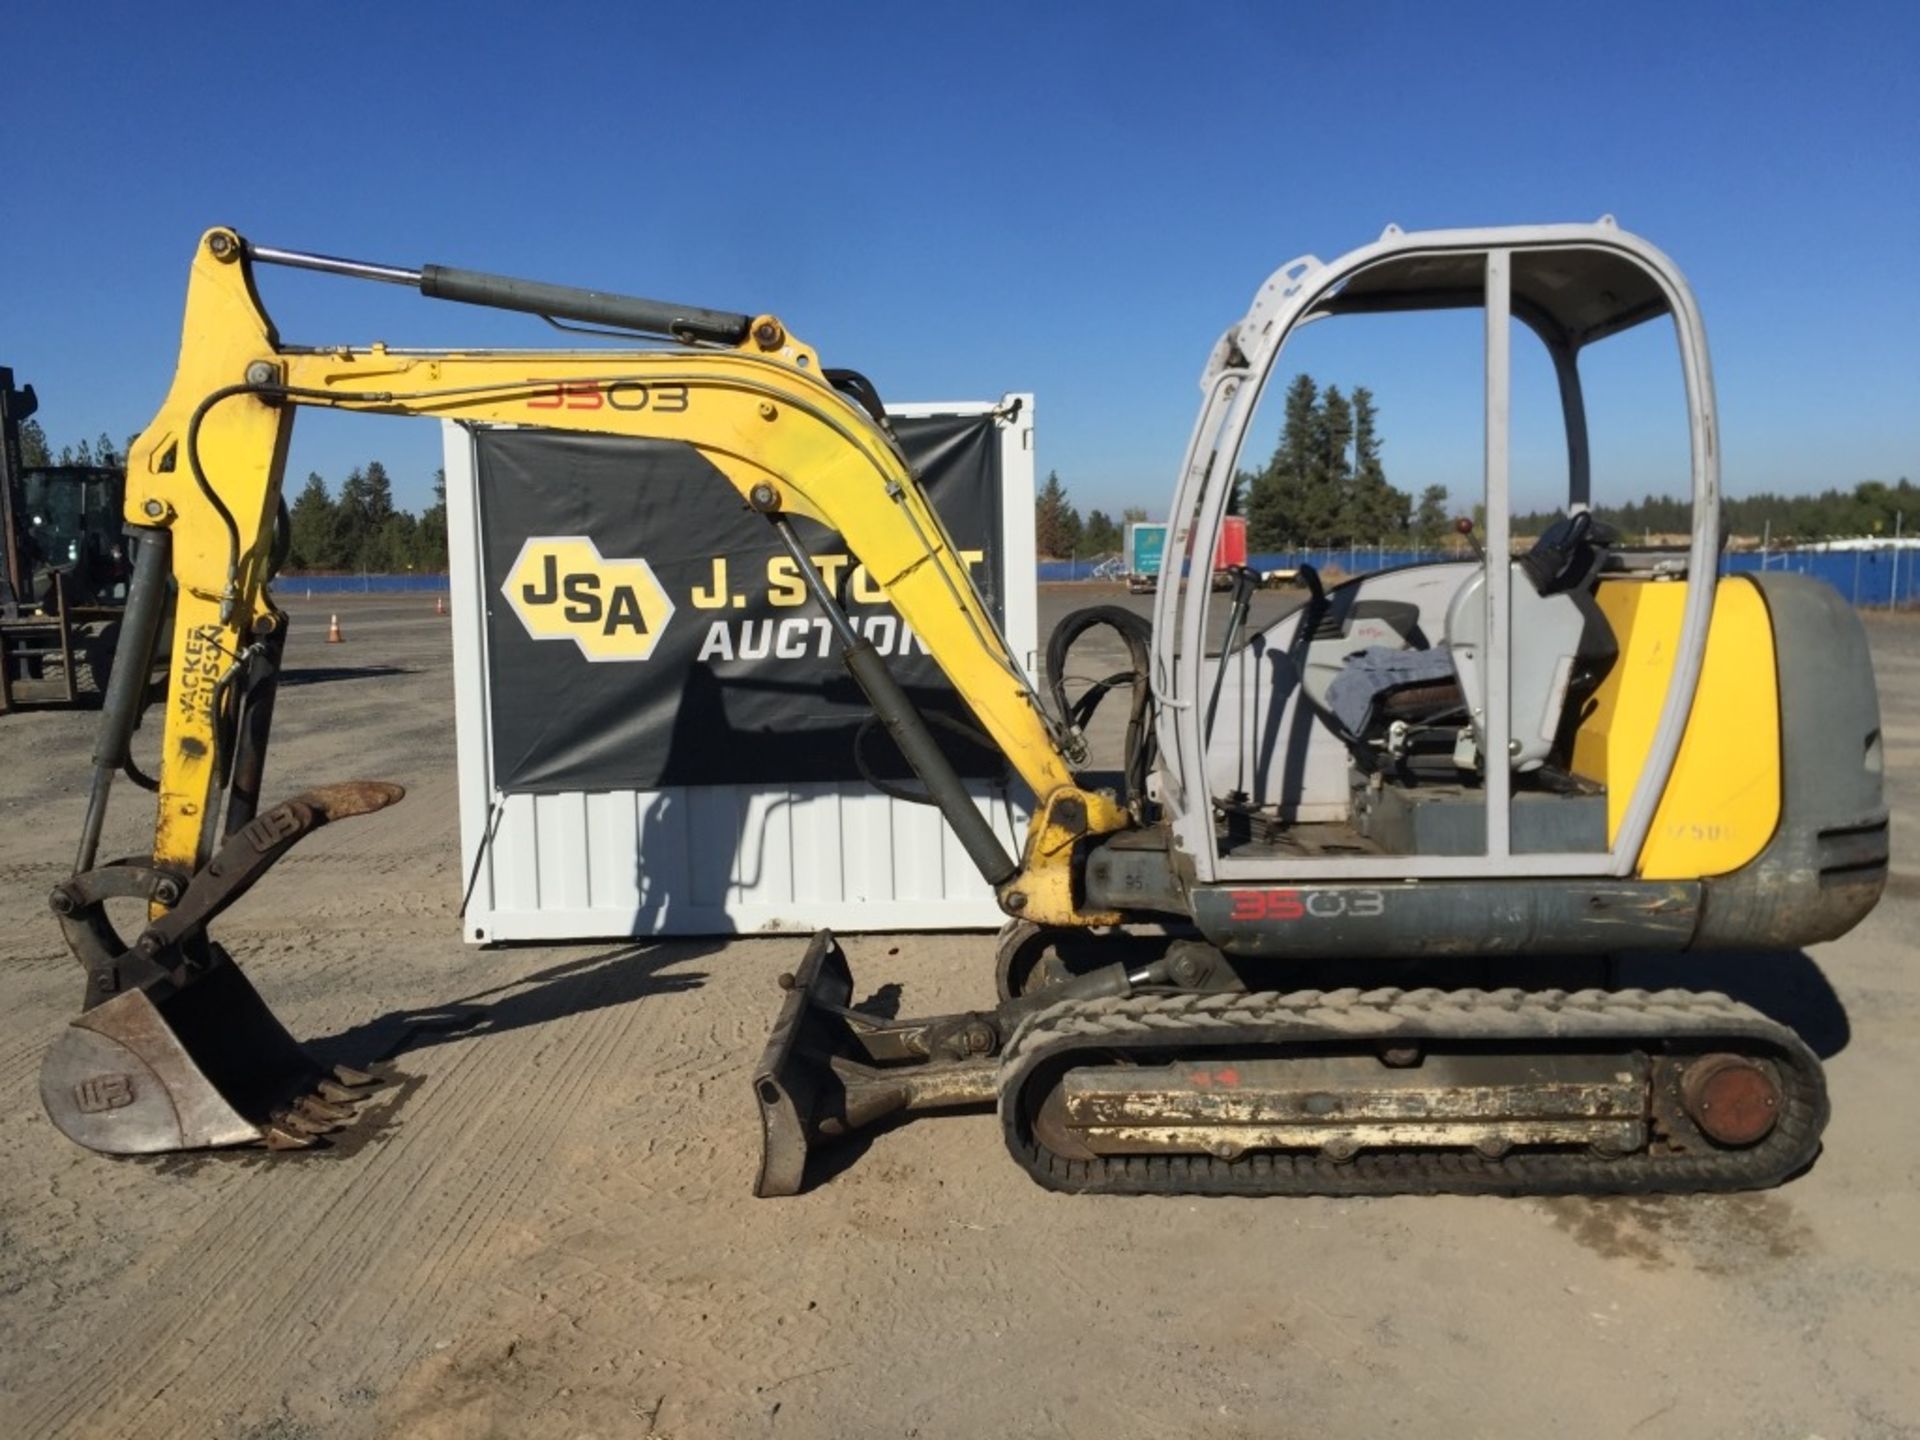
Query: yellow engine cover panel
1722, 801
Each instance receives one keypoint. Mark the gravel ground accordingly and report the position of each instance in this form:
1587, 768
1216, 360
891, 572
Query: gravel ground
547, 1230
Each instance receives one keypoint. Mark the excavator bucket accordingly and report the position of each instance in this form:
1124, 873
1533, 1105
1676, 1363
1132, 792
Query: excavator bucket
207, 1066
175, 1049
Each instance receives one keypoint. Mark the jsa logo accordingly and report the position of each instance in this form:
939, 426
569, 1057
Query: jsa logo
562, 588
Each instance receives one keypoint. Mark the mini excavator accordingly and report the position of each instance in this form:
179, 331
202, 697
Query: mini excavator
1578, 750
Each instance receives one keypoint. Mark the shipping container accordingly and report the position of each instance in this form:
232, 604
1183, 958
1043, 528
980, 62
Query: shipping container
739, 856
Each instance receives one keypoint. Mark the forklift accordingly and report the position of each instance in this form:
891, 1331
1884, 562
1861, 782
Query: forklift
67, 566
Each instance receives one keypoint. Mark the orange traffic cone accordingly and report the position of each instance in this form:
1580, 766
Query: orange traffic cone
439, 605
333, 630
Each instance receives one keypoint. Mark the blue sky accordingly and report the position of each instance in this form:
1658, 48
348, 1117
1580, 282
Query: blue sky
960, 201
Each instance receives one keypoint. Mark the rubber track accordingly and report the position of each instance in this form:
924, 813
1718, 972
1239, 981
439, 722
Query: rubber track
1190, 1024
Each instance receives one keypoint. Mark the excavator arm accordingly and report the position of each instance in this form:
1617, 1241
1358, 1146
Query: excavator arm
753, 401
204, 492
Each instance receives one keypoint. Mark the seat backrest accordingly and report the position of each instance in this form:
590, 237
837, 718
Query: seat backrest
1548, 631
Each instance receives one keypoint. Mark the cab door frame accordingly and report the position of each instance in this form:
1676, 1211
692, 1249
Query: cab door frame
1241, 366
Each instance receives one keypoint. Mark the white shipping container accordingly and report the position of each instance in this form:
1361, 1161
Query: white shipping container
721, 859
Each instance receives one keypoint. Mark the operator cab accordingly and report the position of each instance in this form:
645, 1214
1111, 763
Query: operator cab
1355, 730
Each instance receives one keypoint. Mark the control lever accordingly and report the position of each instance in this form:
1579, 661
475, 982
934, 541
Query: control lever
1464, 525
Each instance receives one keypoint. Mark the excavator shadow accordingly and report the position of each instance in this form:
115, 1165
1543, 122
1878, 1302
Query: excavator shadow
377, 1048
572, 987
327, 674
1784, 985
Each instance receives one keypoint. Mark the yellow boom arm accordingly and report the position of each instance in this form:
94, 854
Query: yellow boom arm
209, 468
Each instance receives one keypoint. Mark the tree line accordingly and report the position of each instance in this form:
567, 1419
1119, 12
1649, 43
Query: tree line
361, 530
358, 530
35, 452
1060, 534
1869, 508
1324, 485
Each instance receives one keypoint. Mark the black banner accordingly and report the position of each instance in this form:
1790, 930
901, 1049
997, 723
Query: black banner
645, 629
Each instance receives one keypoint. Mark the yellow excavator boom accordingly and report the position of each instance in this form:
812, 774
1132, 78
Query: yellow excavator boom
209, 469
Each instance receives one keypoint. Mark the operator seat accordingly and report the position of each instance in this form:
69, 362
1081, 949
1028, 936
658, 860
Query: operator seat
1558, 635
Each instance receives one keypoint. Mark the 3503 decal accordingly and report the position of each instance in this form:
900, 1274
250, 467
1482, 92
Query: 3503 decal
610, 395
1289, 905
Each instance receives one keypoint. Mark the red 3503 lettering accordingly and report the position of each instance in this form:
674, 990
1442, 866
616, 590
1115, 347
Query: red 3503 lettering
608, 395
1285, 906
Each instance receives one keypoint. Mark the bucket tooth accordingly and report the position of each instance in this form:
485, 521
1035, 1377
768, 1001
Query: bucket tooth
321, 1113
347, 1075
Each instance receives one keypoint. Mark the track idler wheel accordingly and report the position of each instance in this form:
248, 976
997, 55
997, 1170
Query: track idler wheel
1733, 1099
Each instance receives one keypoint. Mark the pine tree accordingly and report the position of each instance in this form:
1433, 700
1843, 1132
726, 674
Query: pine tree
1277, 498
1375, 512
1326, 483
315, 530
1320, 502
1100, 536
1056, 524
1333, 438
430, 540
1366, 440
350, 525
1296, 428
379, 499
1431, 526
33, 445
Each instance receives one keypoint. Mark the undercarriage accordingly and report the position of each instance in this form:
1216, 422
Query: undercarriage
1124, 1083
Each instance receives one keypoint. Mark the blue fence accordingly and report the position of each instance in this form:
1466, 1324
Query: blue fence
1868, 578
296, 586
1347, 559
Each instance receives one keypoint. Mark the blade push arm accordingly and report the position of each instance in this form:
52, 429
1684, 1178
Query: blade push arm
209, 468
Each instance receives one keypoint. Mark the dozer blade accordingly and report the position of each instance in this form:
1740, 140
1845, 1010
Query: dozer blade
205, 1066
175, 1049
795, 1066
830, 1069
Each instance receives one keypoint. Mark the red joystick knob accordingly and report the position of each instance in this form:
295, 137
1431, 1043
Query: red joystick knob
1464, 525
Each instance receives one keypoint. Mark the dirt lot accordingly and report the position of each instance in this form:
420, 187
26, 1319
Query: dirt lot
549, 1231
